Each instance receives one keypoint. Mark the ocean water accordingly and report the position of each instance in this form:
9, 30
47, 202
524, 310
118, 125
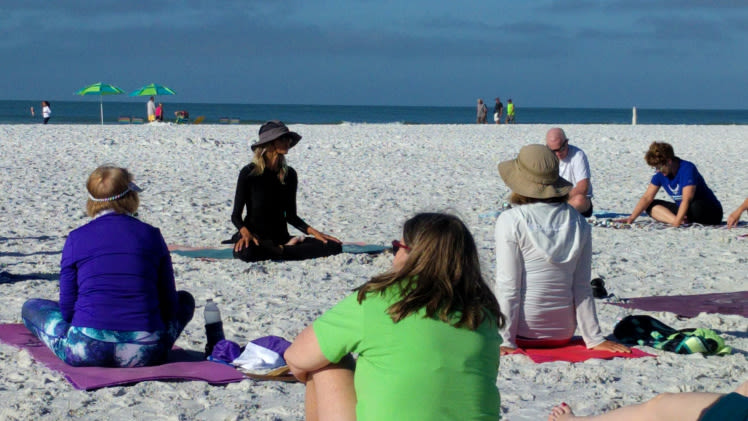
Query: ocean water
87, 112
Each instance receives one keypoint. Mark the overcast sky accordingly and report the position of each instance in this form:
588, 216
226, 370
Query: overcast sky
561, 53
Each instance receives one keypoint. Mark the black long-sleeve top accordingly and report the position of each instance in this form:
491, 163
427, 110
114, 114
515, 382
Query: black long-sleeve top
269, 204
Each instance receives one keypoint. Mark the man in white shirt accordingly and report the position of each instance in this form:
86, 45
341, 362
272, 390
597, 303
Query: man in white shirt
573, 167
151, 109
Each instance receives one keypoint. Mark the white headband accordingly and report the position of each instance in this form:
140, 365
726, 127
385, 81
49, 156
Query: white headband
130, 187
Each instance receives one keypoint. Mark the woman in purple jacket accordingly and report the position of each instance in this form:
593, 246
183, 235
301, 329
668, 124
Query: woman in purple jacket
118, 303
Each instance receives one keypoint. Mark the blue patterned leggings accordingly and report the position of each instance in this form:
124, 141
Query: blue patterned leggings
84, 346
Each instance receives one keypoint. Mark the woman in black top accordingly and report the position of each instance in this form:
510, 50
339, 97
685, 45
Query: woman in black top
267, 190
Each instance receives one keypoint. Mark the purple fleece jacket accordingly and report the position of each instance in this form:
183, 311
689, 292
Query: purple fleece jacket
116, 274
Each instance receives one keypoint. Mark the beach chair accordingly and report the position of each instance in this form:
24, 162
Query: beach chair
182, 117
234, 121
137, 120
123, 120
199, 119
223, 120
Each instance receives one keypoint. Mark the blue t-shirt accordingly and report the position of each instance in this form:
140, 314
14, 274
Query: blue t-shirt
687, 175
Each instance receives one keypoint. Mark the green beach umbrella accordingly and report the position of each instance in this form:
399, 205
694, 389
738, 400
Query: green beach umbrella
153, 89
100, 89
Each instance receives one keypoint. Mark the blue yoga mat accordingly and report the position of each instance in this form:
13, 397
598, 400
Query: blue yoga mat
603, 214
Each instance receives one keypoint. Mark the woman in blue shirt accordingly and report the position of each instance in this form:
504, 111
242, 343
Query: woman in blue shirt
693, 202
118, 303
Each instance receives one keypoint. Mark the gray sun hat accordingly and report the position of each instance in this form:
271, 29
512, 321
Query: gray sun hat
272, 130
534, 173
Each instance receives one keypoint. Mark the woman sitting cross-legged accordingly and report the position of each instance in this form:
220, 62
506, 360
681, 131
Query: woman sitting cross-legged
426, 335
544, 258
693, 200
267, 190
118, 303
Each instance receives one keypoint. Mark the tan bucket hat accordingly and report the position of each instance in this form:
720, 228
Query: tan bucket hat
534, 173
272, 130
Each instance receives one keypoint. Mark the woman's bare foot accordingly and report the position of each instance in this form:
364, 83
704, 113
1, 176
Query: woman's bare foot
295, 240
560, 413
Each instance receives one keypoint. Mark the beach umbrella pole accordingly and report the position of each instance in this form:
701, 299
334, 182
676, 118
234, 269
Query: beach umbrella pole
101, 109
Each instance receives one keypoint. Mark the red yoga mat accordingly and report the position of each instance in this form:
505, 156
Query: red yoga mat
575, 352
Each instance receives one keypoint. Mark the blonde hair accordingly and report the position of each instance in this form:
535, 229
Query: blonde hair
267, 152
108, 181
441, 275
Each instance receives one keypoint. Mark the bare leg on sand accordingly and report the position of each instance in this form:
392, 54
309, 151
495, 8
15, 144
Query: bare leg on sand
664, 407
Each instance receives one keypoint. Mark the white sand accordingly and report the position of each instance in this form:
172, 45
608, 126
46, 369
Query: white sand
358, 182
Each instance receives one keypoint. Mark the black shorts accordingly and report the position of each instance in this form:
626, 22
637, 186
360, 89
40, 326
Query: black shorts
732, 406
699, 211
588, 212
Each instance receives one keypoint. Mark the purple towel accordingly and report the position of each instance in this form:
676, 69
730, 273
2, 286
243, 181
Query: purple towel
273, 343
692, 305
181, 366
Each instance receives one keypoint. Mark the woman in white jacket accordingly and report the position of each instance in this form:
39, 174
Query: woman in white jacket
543, 259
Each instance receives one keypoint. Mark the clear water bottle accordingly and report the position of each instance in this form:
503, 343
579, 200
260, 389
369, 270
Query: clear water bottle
213, 326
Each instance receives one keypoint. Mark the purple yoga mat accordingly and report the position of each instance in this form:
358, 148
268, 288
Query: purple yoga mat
180, 366
692, 305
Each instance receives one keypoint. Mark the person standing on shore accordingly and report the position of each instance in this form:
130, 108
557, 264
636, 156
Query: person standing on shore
498, 109
46, 112
573, 167
151, 109
482, 112
509, 111
160, 112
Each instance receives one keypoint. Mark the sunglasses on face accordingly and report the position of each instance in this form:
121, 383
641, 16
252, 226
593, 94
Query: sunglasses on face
397, 245
562, 147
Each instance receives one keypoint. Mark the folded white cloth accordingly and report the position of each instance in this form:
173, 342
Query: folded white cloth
256, 358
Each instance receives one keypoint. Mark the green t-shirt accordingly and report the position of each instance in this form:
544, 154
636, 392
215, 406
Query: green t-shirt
416, 369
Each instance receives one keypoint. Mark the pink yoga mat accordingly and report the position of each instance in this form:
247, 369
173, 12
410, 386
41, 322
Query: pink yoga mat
575, 352
180, 366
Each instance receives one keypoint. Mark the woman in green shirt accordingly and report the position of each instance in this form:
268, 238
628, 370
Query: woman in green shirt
426, 335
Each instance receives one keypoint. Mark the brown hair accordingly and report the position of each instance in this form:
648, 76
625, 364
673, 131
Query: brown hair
659, 153
108, 181
518, 199
441, 274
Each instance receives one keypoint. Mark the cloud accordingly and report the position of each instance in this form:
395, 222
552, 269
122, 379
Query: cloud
637, 6
691, 30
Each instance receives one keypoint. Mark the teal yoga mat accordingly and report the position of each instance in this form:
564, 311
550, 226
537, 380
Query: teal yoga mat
227, 253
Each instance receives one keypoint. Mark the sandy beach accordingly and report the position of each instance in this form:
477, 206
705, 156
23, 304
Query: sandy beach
359, 182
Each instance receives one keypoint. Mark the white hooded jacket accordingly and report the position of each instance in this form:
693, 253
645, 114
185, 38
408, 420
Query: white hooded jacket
543, 265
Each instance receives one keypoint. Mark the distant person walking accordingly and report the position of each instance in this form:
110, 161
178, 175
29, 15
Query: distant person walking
482, 112
151, 109
509, 111
46, 112
498, 110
